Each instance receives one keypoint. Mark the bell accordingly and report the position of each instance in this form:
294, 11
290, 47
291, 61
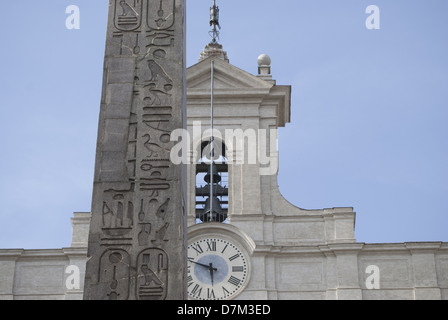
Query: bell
216, 205
215, 214
216, 176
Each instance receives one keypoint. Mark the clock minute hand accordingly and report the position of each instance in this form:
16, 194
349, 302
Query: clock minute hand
204, 265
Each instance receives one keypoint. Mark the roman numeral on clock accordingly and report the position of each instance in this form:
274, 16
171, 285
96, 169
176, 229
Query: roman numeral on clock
198, 249
189, 281
210, 294
197, 290
238, 269
234, 257
225, 291
224, 248
234, 281
211, 246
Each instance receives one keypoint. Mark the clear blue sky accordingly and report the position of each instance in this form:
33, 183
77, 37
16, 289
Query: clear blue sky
369, 109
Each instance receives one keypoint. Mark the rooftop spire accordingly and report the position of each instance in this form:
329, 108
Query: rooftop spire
214, 22
214, 49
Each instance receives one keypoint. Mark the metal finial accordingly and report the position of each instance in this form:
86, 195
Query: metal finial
214, 22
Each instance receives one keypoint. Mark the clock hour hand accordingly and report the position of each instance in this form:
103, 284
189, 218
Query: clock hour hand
211, 271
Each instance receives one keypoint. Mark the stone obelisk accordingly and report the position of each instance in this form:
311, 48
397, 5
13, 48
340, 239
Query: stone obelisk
137, 241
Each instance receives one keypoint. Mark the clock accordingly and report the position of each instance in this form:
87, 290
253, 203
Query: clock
218, 268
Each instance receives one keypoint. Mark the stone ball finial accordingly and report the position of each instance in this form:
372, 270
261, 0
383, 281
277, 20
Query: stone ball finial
264, 60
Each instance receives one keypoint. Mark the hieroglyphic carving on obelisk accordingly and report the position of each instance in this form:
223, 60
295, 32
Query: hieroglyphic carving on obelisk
138, 231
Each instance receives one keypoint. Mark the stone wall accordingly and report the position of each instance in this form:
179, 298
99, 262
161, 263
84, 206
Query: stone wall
404, 271
285, 271
52, 274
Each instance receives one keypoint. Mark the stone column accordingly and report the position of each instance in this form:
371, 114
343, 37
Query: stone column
137, 239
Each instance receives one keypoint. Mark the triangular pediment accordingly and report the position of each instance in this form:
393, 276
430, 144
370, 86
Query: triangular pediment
226, 76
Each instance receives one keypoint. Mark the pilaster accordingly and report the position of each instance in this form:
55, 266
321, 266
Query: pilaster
7, 274
348, 287
424, 270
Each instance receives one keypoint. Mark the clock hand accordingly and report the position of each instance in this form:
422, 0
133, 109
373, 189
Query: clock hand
211, 271
203, 265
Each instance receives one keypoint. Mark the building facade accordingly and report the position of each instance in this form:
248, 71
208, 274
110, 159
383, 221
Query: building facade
262, 247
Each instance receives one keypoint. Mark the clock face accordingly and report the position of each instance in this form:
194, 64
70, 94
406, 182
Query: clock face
217, 269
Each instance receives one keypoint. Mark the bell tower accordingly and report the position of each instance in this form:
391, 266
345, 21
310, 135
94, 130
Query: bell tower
234, 200
233, 119
248, 111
